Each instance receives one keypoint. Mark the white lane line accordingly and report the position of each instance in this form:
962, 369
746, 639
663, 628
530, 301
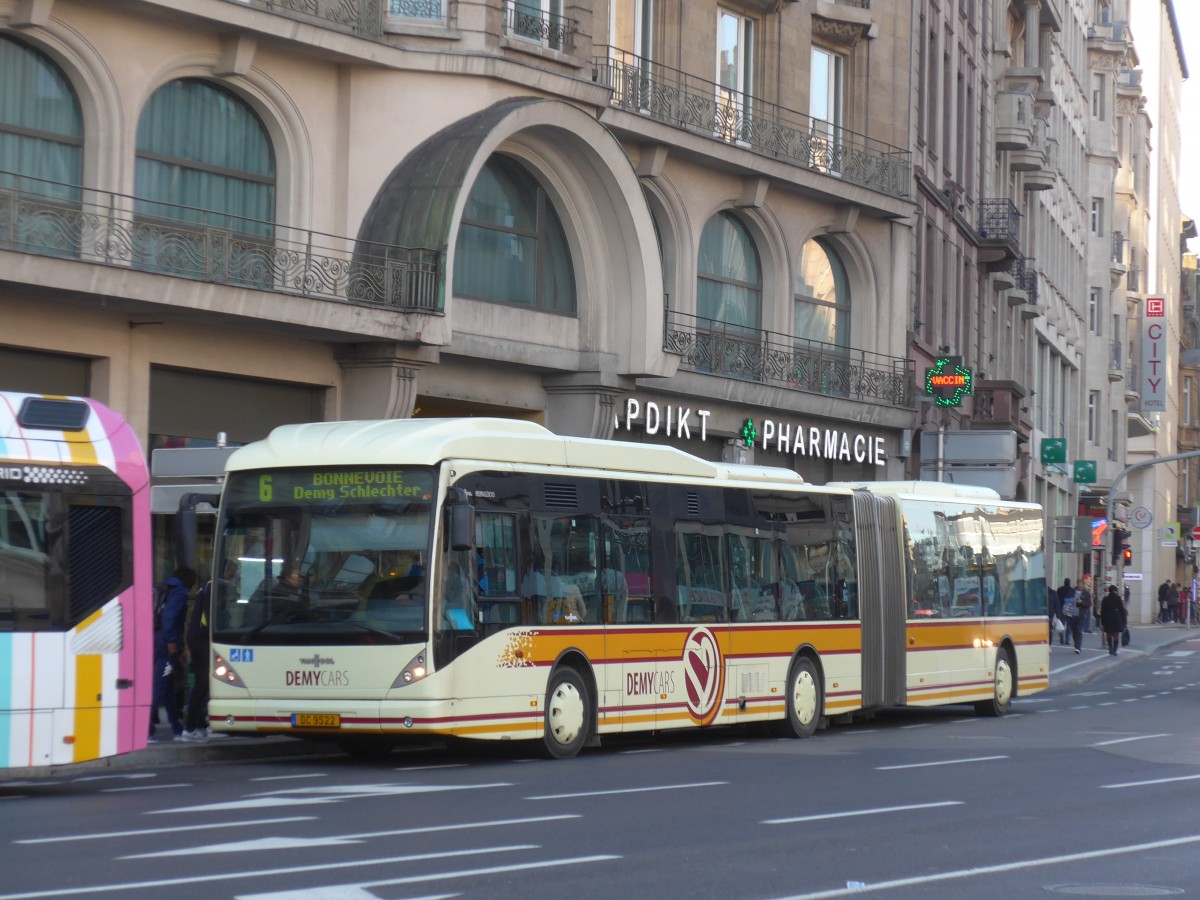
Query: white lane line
431, 766
145, 787
104, 835
231, 877
1151, 781
129, 777
636, 790
1126, 740
910, 727
862, 888
435, 876
944, 762
861, 812
330, 794
257, 845
291, 777
646, 750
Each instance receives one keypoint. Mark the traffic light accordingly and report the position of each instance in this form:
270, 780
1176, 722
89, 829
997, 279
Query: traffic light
1121, 551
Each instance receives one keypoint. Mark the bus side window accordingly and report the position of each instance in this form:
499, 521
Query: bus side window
495, 573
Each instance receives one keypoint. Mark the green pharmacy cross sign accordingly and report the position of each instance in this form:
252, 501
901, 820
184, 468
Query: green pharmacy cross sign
749, 433
948, 381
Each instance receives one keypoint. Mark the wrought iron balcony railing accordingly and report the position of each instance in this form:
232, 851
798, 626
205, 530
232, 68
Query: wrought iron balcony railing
1026, 277
65, 221
684, 101
1116, 356
709, 345
361, 17
999, 220
1118, 248
527, 20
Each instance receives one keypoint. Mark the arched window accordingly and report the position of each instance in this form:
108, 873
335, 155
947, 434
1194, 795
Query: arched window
41, 130
822, 297
203, 156
511, 245
729, 278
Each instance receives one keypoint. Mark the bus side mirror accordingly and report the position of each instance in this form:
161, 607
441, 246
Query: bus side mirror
462, 520
185, 527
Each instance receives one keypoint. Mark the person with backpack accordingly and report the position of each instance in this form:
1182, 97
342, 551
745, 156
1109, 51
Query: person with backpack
196, 725
171, 600
1066, 610
1083, 610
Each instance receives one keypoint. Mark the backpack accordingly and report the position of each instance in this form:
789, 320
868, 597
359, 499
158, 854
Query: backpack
1069, 606
160, 600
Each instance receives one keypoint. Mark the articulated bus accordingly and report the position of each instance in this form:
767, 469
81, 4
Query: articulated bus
485, 578
75, 583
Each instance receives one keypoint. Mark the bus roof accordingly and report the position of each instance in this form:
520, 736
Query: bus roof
927, 489
426, 442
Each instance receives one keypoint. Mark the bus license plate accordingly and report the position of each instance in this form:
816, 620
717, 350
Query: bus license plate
316, 720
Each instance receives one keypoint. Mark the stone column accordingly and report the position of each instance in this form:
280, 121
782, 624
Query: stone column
379, 381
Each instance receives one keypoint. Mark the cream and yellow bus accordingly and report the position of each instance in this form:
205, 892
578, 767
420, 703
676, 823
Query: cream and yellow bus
485, 578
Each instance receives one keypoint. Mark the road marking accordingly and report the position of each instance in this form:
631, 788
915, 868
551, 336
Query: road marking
861, 812
944, 762
921, 725
291, 777
334, 892
1125, 740
331, 794
862, 888
1182, 653
647, 750
432, 766
1151, 781
145, 787
637, 790
435, 876
231, 877
130, 777
103, 835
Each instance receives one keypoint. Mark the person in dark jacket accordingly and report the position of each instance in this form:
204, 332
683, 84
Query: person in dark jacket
1112, 618
168, 649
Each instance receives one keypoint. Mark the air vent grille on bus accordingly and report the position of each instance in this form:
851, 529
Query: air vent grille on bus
693, 504
561, 496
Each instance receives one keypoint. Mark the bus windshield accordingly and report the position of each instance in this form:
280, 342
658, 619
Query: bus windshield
323, 556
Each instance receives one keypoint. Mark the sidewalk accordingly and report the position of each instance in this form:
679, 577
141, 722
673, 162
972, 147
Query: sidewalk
1068, 668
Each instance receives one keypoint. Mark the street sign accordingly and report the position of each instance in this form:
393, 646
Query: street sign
1054, 450
1085, 471
1196, 533
1170, 534
1141, 517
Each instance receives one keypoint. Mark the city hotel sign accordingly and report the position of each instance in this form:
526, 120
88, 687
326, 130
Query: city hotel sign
1154, 355
813, 442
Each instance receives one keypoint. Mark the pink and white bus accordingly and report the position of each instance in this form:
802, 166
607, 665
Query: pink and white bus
75, 582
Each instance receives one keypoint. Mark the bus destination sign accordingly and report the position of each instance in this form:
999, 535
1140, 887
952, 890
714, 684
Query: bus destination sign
319, 485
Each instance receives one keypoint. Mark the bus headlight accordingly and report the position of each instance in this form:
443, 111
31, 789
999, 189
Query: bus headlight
414, 671
224, 672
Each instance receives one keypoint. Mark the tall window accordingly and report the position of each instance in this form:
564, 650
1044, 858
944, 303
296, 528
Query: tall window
541, 21
511, 245
41, 130
827, 102
822, 299
1093, 417
729, 279
203, 156
631, 27
1097, 218
735, 71
1098, 96
1187, 400
1094, 298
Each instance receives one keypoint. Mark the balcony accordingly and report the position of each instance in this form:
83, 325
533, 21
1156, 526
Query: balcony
363, 18
1014, 120
680, 100
116, 230
1044, 177
527, 22
1117, 260
1116, 356
1133, 280
999, 231
1032, 157
997, 405
811, 367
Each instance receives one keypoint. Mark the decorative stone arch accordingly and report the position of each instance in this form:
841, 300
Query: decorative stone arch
279, 114
669, 214
95, 88
769, 241
599, 201
865, 307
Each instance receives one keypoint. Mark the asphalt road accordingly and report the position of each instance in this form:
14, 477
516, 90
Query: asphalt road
1089, 789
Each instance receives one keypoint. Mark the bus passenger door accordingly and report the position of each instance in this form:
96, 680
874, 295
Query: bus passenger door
881, 605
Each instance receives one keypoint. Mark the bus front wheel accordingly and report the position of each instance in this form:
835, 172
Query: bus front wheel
1002, 688
568, 713
803, 700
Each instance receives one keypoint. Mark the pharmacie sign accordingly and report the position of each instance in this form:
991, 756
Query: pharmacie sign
782, 436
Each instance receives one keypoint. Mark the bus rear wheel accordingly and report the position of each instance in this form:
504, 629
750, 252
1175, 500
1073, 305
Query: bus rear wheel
1002, 688
568, 713
804, 701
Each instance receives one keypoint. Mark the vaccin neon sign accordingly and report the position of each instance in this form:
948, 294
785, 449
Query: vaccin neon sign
948, 382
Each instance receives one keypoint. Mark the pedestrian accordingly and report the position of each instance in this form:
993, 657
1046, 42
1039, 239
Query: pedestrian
168, 649
1173, 602
1066, 610
196, 724
1163, 590
1083, 603
1051, 610
1112, 618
